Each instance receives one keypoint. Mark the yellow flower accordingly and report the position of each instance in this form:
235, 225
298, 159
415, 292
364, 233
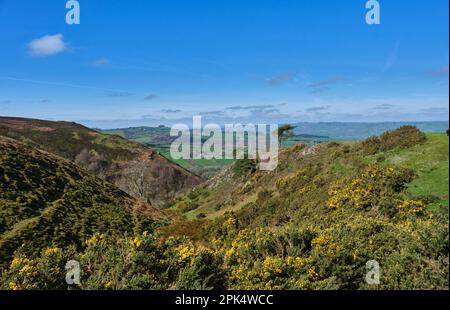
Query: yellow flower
185, 252
229, 253
229, 223
411, 207
28, 271
51, 251
13, 286
295, 262
324, 244
94, 240
17, 261
273, 265
312, 274
136, 242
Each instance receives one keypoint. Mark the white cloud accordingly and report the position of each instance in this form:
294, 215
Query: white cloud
47, 45
102, 62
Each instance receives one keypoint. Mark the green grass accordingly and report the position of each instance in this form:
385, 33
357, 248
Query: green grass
430, 161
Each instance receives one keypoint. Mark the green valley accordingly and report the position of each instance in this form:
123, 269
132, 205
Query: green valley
313, 223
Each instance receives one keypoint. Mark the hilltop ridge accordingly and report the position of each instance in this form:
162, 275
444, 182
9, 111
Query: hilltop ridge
132, 167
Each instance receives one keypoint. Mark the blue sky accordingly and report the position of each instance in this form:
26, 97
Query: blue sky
144, 62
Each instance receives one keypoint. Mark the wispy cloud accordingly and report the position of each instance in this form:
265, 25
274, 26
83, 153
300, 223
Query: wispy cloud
440, 72
319, 90
329, 81
118, 94
392, 59
47, 45
267, 111
102, 62
280, 78
212, 113
170, 111
151, 97
385, 106
251, 107
435, 110
317, 109
63, 84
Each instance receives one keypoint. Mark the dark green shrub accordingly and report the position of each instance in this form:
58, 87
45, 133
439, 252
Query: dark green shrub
244, 167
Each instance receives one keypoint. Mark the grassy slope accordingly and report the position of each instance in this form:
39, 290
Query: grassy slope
67, 139
45, 200
430, 161
293, 202
110, 157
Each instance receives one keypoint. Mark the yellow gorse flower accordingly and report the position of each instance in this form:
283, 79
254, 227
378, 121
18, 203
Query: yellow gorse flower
136, 242
108, 284
51, 251
19, 261
295, 262
324, 244
28, 271
411, 207
186, 252
312, 274
229, 223
95, 239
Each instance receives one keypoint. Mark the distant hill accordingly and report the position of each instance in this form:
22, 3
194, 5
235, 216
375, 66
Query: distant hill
345, 131
159, 139
47, 200
137, 170
150, 136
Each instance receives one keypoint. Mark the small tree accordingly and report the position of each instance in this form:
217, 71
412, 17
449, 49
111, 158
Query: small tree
285, 132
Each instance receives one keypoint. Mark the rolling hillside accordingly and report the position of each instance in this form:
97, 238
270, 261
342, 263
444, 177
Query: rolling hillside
137, 170
315, 222
332, 208
46, 200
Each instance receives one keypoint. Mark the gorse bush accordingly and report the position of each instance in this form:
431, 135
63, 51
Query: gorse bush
376, 189
139, 262
404, 137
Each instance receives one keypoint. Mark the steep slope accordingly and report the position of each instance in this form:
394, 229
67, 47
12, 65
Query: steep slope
47, 200
328, 210
137, 170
